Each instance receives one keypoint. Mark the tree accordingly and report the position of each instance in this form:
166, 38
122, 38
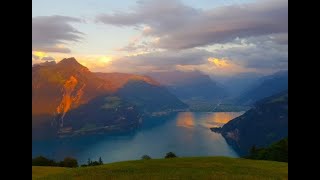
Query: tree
145, 157
89, 162
253, 149
69, 162
170, 155
42, 161
100, 161
277, 151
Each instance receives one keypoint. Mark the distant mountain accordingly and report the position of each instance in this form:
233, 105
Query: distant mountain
190, 85
145, 93
46, 63
238, 84
262, 125
268, 86
118, 80
68, 98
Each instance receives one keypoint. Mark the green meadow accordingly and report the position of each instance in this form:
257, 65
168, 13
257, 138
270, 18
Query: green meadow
174, 168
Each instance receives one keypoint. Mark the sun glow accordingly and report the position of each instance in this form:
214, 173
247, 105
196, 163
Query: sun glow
40, 54
95, 62
219, 62
105, 59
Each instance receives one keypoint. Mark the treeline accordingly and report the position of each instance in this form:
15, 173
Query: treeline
67, 162
277, 151
42, 161
72, 162
93, 163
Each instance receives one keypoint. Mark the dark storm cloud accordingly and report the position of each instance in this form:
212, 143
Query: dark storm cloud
181, 27
50, 31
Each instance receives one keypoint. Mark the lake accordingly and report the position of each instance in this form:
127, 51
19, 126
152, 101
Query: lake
184, 133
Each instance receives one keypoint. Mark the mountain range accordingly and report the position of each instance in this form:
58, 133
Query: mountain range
190, 86
67, 98
264, 87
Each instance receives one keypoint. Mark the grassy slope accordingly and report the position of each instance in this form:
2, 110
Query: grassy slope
177, 168
40, 171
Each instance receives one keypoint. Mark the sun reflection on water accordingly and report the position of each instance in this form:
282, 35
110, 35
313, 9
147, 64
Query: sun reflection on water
185, 119
217, 119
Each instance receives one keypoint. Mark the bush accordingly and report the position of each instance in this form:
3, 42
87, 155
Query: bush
42, 161
170, 155
145, 157
69, 162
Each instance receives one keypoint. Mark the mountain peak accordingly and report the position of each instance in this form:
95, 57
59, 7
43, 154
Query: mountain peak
71, 63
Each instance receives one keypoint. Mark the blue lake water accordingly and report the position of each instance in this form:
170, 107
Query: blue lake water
185, 134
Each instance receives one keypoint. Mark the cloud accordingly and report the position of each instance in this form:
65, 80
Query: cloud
57, 49
178, 26
157, 61
48, 58
221, 63
259, 54
39, 57
49, 33
35, 57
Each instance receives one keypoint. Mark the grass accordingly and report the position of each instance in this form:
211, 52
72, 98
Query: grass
41, 171
177, 168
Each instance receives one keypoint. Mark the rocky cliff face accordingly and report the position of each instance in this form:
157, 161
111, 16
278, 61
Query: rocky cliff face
70, 98
56, 89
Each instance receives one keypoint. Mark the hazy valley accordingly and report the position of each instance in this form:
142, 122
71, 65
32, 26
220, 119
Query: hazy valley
71, 101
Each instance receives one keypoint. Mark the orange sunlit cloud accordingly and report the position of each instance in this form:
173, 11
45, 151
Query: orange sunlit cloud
146, 30
221, 63
39, 54
216, 66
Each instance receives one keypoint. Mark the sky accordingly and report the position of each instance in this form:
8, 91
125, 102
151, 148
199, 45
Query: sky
216, 37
